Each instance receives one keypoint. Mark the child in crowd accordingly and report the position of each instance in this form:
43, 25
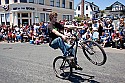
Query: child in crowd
105, 38
95, 35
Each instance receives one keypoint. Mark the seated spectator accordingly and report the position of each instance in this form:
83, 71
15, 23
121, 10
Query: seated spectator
95, 35
88, 37
115, 39
17, 36
13, 37
37, 41
105, 39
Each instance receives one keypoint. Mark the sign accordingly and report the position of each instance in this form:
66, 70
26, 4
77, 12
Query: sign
23, 8
47, 10
5, 7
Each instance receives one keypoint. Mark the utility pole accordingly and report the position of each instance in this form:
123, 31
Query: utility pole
82, 8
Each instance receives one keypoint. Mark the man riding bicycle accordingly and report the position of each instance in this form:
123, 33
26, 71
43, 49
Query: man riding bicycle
57, 37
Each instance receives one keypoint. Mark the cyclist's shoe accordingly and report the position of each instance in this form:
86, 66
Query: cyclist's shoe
77, 67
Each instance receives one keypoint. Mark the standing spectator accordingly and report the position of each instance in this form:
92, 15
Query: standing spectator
121, 31
94, 25
9, 36
21, 33
108, 27
100, 28
121, 24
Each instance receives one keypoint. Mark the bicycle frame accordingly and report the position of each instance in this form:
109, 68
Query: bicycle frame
83, 47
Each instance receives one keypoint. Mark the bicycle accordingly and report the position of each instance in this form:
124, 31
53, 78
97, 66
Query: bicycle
62, 65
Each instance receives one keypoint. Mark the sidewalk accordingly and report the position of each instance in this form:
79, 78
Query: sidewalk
114, 50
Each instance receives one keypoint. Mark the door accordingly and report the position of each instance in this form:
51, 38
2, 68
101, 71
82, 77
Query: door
25, 21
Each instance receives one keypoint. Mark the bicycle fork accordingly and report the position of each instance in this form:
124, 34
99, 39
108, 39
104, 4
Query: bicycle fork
87, 48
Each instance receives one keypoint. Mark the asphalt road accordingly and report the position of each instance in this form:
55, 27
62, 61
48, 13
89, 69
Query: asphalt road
26, 63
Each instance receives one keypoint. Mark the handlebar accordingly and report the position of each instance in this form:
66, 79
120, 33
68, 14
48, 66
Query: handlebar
74, 36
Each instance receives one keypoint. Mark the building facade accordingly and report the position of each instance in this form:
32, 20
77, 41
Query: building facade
90, 10
117, 9
20, 12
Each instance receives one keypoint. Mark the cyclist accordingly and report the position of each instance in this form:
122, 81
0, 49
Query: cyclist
57, 37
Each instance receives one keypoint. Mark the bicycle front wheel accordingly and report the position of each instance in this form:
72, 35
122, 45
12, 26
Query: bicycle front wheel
61, 67
94, 52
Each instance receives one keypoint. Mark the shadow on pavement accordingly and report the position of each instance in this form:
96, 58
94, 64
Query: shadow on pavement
78, 78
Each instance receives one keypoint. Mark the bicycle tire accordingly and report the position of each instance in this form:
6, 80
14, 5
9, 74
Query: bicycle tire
101, 61
61, 72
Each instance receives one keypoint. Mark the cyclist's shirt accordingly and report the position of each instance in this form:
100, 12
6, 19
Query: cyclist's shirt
56, 26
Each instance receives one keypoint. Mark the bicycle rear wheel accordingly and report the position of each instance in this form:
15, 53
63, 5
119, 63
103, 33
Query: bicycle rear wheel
61, 67
94, 52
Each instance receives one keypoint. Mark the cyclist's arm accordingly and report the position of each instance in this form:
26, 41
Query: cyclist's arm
59, 34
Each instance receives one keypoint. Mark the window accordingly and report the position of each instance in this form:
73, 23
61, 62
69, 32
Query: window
78, 7
6, 1
15, 1
78, 15
47, 17
2, 19
98, 9
70, 18
86, 15
19, 22
94, 8
51, 2
116, 7
57, 3
41, 2
70, 5
23, 1
24, 14
75, 13
66, 17
87, 7
63, 3
42, 17
7, 16
30, 15
18, 15
31, 1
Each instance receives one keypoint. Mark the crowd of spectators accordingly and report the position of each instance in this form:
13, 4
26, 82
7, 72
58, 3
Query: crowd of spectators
104, 31
107, 32
35, 34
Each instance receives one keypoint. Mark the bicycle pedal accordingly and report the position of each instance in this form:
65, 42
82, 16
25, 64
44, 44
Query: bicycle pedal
78, 67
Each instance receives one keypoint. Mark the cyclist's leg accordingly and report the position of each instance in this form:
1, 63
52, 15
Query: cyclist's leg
59, 43
72, 52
